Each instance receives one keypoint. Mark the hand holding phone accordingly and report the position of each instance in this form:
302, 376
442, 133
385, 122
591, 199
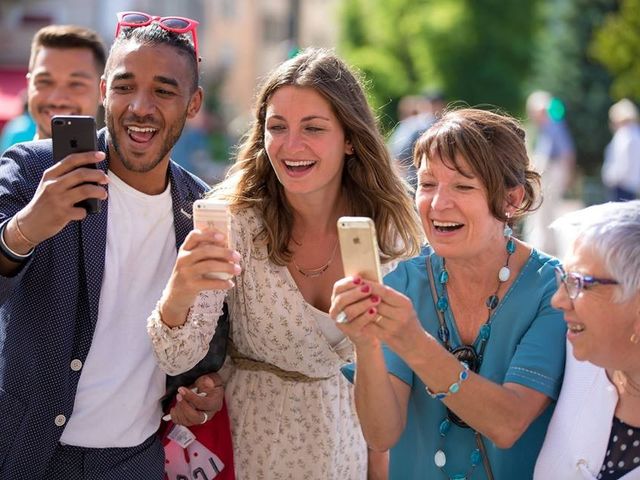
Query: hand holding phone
75, 134
359, 248
211, 214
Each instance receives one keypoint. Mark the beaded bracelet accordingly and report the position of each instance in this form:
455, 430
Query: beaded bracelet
454, 387
7, 252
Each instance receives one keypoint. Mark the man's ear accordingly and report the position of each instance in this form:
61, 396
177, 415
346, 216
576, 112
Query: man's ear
195, 103
103, 91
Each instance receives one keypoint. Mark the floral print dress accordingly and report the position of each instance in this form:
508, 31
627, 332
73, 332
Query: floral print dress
303, 427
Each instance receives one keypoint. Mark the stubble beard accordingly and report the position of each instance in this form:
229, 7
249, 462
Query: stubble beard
167, 145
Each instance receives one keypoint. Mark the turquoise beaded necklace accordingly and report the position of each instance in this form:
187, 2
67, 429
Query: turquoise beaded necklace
470, 355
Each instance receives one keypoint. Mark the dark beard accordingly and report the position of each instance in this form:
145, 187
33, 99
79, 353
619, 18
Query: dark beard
172, 138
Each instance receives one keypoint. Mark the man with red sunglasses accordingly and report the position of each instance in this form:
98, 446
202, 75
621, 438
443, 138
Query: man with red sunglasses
79, 387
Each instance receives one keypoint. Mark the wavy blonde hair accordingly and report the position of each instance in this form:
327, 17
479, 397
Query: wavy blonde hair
370, 183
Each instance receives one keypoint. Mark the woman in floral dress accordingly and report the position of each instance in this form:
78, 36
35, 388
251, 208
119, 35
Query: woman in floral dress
313, 154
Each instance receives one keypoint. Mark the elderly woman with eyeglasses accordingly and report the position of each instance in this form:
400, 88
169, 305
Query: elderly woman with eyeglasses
595, 429
460, 354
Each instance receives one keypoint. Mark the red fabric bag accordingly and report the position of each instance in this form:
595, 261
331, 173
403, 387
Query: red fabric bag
209, 456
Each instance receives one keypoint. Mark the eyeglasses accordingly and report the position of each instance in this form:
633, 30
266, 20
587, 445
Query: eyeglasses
170, 24
575, 282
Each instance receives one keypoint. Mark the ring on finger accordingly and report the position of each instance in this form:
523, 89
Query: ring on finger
342, 317
378, 318
206, 417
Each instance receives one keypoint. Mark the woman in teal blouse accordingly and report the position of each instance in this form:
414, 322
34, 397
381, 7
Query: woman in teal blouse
460, 355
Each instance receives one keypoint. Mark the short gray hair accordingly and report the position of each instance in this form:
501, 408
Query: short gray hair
613, 231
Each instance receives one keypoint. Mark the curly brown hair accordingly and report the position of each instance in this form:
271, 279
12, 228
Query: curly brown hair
370, 184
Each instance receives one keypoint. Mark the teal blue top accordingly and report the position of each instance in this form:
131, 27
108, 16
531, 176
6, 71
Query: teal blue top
20, 129
526, 346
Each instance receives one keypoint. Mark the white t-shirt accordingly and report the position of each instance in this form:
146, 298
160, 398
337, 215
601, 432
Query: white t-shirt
118, 399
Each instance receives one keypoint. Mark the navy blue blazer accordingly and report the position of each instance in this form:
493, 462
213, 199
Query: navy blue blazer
48, 311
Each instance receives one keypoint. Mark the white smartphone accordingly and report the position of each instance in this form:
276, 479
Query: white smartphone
212, 214
359, 247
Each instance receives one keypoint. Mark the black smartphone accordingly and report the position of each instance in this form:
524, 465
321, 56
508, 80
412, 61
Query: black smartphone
75, 134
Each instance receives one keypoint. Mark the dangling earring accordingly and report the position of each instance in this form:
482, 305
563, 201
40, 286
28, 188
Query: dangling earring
634, 339
507, 231
505, 272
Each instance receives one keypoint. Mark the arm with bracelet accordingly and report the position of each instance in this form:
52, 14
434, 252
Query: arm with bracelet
16, 248
29, 215
21, 247
473, 349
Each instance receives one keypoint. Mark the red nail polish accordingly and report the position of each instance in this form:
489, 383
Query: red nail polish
375, 298
365, 289
372, 311
357, 281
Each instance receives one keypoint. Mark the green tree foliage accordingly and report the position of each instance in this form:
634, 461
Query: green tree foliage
476, 51
616, 45
491, 58
564, 67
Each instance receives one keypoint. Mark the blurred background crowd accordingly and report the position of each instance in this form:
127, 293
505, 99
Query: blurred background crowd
568, 68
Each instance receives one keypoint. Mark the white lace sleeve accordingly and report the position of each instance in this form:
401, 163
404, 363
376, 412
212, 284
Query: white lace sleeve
178, 349
388, 267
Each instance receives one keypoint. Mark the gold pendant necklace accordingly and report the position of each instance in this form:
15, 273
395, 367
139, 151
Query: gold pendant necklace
626, 384
315, 272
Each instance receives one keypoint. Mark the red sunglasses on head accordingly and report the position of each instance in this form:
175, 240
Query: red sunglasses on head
171, 24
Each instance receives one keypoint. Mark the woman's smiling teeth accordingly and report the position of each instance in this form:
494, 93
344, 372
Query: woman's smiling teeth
141, 134
446, 226
299, 165
575, 328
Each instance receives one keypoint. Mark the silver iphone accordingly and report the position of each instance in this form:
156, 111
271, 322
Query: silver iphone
359, 247
209, 214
